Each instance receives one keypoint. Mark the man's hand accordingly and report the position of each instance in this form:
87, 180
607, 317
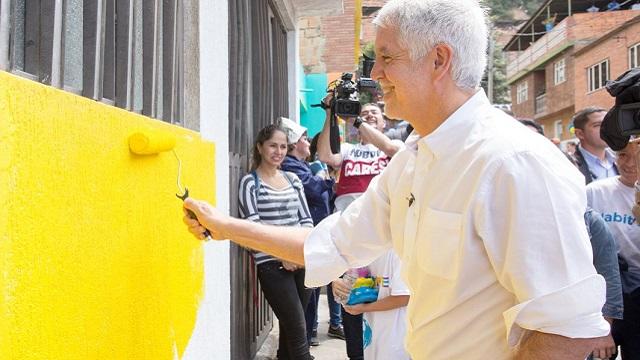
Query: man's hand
605, 348
207, 218
539, 345
355, 309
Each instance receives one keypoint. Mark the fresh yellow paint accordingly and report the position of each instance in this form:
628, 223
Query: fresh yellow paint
95, 262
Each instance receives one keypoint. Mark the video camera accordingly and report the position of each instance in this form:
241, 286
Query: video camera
346, 99
346, 92
623, 120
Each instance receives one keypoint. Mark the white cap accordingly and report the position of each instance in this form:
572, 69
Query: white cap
294, 130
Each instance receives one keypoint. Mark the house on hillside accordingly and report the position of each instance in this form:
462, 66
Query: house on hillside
560, 59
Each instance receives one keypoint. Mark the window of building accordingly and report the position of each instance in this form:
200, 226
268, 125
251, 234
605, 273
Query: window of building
559, 72
597, 75
634, 56
522, 92
557, 129
129, 54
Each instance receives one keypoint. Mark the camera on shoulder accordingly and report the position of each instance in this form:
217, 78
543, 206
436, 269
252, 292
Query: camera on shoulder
623, 119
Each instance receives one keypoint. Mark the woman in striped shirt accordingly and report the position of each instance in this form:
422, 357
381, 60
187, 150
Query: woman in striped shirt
272, 196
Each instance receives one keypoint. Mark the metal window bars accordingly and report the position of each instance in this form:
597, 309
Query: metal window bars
109, 55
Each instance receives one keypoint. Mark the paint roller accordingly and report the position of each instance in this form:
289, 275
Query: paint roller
155, 141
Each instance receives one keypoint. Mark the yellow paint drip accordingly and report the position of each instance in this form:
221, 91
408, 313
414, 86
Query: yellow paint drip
95, 261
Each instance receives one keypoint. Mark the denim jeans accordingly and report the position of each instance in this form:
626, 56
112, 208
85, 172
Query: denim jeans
352, 325
335, 316
287, 296
311, 313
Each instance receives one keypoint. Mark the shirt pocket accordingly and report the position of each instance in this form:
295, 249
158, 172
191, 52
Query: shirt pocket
438, 243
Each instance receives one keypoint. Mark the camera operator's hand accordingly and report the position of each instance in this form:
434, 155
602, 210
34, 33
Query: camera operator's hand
327, 101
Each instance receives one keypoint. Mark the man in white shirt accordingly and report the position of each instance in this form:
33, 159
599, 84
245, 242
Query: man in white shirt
486, 216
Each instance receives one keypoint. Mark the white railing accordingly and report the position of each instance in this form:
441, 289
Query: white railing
537, 50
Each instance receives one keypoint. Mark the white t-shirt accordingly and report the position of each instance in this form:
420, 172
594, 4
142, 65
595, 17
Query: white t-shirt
384, 331
614, 201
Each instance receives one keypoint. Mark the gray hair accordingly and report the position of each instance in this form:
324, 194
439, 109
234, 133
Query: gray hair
461, 24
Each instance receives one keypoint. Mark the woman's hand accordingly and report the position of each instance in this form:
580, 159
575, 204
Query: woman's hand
289, 266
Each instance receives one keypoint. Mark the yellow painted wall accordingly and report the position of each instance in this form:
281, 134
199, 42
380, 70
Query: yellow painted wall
95, 262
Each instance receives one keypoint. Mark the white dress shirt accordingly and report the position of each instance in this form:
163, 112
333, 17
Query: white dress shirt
492, 243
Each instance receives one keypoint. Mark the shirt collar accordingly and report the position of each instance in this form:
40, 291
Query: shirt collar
455, 126
589, 156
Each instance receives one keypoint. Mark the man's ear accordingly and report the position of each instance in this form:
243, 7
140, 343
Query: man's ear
578, 133
443, 56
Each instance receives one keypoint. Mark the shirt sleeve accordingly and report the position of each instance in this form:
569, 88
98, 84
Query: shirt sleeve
529, 216
352, 239
605, 260
248, 204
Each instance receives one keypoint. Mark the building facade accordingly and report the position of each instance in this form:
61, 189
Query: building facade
563, 69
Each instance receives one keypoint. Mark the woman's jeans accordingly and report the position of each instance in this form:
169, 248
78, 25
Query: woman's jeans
311, 313
287, 296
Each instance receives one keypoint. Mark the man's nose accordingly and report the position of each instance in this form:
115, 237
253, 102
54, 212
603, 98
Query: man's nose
376, 71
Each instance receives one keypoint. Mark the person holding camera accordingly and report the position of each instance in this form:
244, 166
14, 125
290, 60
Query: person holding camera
358, 164
487, 219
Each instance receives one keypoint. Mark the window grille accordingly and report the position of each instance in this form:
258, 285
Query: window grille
597, 75
126, 53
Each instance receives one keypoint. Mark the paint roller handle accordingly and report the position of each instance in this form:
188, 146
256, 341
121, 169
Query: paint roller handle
193, 216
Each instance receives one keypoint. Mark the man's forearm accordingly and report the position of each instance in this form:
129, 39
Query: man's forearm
286, 243
540, 345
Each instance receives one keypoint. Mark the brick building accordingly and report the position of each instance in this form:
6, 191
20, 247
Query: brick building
557, 71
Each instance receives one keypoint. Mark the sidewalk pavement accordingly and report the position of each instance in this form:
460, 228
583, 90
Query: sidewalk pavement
329, 348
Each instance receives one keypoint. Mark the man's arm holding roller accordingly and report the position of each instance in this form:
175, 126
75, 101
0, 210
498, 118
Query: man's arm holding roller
286, 243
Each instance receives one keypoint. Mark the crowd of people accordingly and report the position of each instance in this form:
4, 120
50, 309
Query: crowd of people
504, 250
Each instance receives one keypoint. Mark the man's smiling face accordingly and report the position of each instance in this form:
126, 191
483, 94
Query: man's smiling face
405, 83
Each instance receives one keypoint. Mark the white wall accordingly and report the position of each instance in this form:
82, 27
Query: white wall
211, 338
293, 64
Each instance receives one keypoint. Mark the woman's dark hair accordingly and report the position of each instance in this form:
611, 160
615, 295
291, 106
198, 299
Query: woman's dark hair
263, 135
313, 148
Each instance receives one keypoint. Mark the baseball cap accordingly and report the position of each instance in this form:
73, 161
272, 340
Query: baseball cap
294, 130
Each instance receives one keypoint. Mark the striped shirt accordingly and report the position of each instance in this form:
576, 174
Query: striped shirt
281, 207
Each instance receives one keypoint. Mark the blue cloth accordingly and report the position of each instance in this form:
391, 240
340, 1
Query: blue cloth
605, 260
317, 190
